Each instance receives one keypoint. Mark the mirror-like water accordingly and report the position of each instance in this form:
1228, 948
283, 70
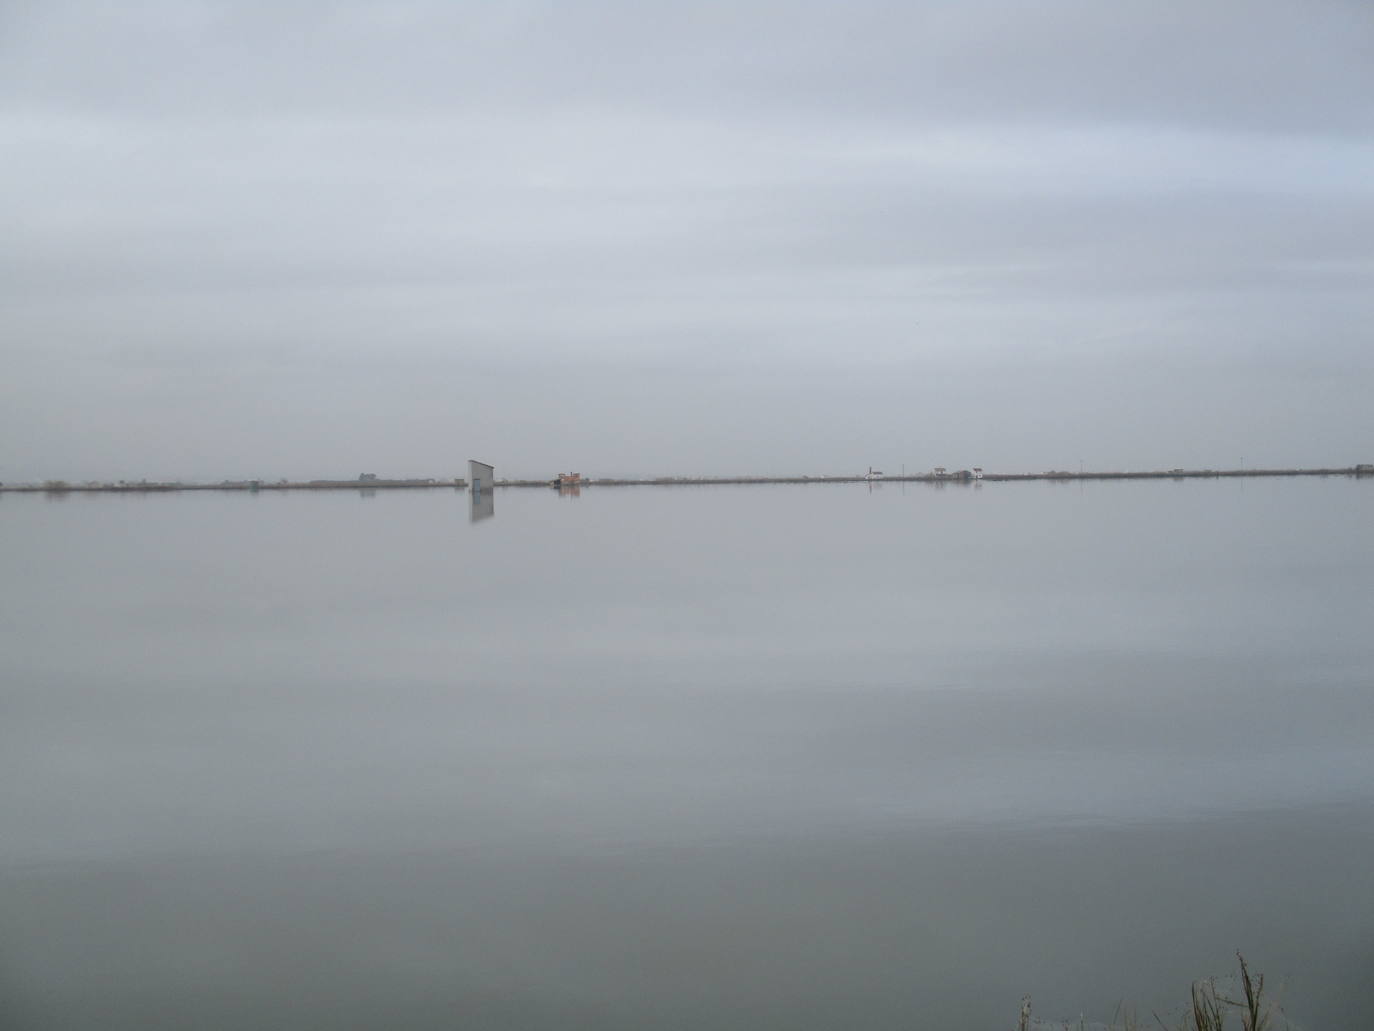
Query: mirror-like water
803, 757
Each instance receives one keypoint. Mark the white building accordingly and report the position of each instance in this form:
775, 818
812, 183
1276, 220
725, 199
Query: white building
480, 476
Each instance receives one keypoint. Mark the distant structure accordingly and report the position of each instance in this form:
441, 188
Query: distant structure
481, 476
367, 477
568, 485
977, 472
483, 479
874, 474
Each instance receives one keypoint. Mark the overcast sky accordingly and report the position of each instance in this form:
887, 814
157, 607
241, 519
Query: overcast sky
310, 239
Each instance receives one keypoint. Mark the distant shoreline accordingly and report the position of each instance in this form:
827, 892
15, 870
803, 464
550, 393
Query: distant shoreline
962, 476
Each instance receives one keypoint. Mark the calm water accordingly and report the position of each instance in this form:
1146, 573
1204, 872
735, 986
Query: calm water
801, 757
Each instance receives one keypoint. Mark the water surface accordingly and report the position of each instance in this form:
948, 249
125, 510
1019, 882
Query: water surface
802, 756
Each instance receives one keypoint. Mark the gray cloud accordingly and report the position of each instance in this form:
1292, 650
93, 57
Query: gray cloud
298, 238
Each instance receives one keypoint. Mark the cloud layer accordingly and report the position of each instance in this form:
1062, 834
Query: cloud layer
307, 238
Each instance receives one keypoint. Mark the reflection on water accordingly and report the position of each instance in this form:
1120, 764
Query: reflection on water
483, 504
809, 759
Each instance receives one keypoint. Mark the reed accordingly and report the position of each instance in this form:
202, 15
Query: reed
1208, 1009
